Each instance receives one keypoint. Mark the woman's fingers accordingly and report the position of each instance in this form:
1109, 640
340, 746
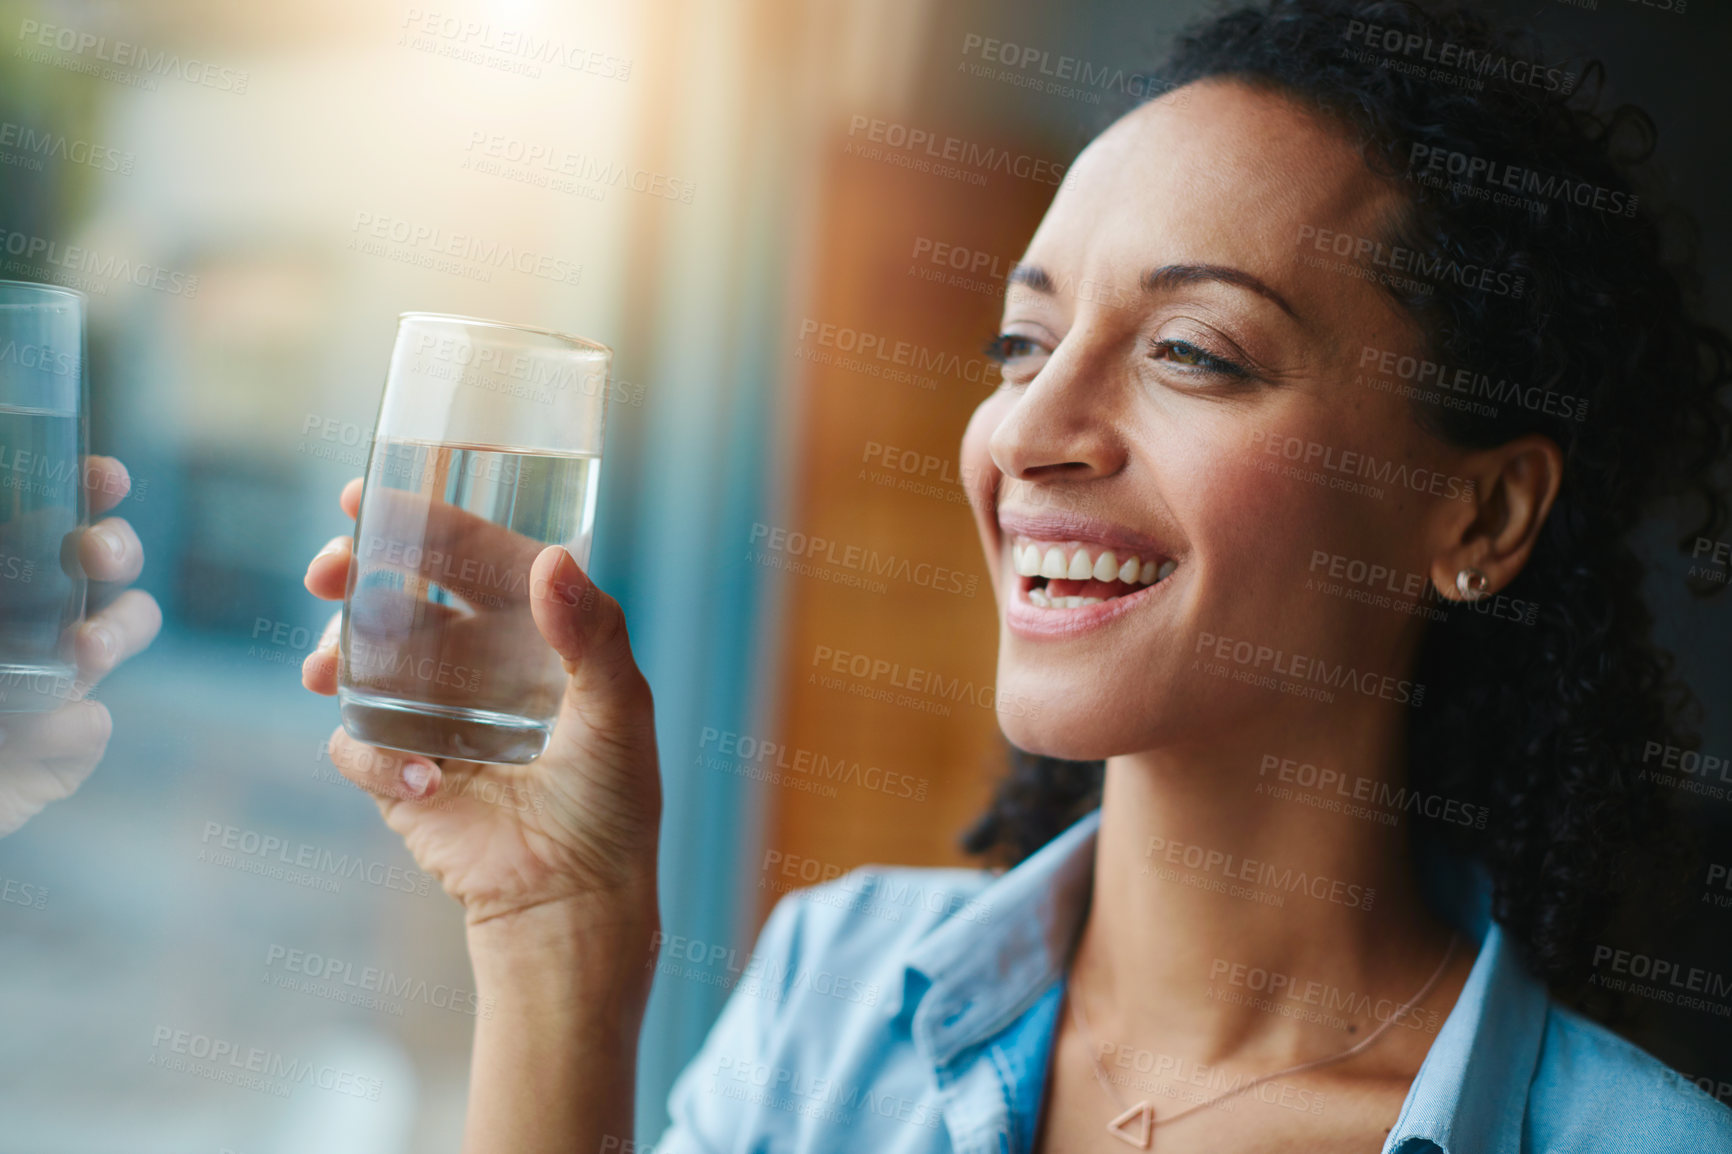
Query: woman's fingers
106, 482
328, 572
120, 629
319, 670
110, 551
350, 498
384, 773
65, 744
586, 627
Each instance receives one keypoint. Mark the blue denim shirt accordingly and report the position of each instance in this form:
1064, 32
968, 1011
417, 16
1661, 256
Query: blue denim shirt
912, 1010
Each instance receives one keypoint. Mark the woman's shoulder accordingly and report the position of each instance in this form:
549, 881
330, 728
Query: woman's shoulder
863, 925
1594, 1090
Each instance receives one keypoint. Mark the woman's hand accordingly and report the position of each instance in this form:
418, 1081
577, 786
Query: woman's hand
571, 834
553, 861
45, 756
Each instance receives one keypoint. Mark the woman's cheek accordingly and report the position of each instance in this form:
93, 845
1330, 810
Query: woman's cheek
980, 474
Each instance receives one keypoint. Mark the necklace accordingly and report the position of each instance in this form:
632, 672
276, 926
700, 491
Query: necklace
1136, 1125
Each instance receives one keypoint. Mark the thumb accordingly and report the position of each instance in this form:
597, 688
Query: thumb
584, 625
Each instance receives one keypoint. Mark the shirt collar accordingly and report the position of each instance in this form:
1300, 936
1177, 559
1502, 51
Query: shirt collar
1471, 1092
1469, 1096
982, 977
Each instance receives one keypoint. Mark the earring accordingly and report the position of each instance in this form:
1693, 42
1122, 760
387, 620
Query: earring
1471, 584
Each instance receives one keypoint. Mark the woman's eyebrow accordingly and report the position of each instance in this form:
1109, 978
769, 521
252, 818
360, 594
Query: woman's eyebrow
1033, 276
1166, 277
1172, 275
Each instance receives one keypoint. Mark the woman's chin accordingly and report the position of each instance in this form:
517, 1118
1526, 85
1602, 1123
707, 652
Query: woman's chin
1071, 738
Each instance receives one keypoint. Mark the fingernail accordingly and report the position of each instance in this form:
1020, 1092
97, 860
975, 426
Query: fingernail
109, 540
105, 642
417, 775
331, 546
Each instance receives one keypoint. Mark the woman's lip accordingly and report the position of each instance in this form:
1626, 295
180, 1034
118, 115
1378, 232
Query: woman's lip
1056, 526
1025, 619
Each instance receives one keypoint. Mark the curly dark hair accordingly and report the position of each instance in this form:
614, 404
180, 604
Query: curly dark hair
1541, 725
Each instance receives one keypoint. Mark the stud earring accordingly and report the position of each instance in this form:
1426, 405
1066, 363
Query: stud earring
1471, 584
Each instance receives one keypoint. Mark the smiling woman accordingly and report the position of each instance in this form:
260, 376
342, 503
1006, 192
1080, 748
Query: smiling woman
1305, 497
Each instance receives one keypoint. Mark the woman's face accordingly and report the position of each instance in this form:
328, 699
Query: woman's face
1182, 386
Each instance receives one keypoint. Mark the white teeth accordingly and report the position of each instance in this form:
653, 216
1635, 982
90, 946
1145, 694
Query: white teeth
1041, 598
1106, 566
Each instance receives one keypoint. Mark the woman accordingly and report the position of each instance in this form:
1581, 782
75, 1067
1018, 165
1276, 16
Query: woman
1182, 486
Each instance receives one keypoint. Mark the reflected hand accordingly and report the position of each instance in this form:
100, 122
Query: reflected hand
573, 830
45, 756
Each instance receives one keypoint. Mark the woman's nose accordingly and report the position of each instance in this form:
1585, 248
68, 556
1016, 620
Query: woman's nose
1062, 427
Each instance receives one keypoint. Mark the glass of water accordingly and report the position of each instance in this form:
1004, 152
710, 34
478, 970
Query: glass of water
42, 498
487, 450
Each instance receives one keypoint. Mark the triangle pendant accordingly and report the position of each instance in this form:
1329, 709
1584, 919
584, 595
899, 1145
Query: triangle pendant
1142, 1117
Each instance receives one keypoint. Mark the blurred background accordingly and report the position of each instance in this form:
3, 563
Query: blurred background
256, 191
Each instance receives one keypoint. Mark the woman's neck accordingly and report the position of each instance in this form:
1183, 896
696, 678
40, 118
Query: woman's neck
1244, 894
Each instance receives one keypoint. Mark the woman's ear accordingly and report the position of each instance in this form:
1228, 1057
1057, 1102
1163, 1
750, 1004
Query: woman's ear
1515, 485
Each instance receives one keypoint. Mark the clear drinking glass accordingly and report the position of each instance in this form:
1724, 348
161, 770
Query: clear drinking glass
42, 498
486, 451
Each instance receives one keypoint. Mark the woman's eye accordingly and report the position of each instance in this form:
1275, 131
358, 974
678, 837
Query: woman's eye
1189, 356
1008, 347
